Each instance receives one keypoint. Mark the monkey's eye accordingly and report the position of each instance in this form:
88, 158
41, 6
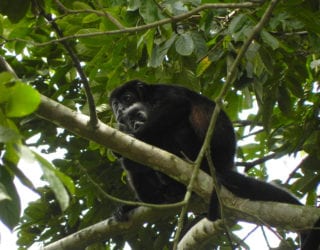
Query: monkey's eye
128, 98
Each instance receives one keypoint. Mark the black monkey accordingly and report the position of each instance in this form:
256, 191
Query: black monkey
176, 119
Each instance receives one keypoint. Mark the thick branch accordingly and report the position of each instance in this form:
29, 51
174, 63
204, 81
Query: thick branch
109, 228
200, 233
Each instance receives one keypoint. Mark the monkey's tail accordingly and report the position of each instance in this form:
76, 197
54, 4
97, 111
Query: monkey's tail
249, 188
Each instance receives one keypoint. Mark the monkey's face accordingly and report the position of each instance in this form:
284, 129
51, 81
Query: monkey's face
131, 114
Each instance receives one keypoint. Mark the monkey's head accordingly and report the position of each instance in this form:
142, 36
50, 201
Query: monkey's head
129, 104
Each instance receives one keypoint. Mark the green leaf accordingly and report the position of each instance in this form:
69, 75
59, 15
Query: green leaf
284, 101
200, 47
23, 100
159, 52
147, 39
81, 5
56, 180
8, 135
184, 44
216, 54
310, 18
133, 5
90, 18
10, 202
294, 86
92, 41
149, 11
270, 39
3, 193
237, 23
203, 65
14, 9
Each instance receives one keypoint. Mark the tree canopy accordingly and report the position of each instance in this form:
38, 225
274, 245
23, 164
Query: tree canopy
59, 62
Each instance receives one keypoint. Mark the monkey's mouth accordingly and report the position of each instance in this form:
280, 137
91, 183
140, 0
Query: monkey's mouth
137, 125
133, 122
130, 128
139, 120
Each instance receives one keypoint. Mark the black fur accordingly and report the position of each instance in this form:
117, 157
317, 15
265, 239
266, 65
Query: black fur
176, 119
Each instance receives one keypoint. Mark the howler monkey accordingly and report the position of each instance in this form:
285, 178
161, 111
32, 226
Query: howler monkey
176, 119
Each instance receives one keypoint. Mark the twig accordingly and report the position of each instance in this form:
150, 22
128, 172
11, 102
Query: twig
147, 26
249, 165
251, 134
218, 191
291, 175
131, 203
164, 11
243, 123
98, 13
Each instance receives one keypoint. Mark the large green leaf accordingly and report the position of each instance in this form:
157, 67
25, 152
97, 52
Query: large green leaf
184, 44
14, 9
23, 100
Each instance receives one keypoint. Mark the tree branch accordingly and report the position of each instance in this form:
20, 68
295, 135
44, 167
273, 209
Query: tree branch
251, 164
92, 107
131, 30
109, 228
98, 13
200, 233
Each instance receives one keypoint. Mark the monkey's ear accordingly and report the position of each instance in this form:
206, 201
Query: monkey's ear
142, 89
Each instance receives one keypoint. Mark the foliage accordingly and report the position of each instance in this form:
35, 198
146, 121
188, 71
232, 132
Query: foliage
116, 41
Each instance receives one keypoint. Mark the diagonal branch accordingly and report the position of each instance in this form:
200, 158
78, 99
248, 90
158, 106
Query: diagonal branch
92, 108
251, 164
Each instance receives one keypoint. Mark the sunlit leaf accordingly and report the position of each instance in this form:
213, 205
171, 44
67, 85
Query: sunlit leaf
23, 100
